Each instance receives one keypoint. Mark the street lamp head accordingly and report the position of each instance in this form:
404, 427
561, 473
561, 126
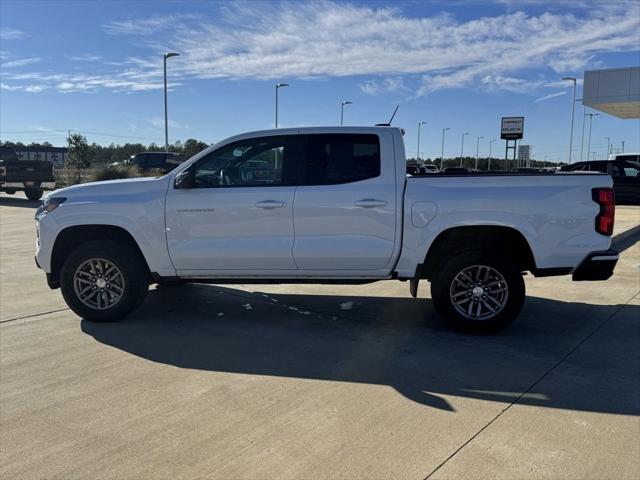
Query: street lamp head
445, 129
422, 123
171, 54
278, 85
346, 102
572, 79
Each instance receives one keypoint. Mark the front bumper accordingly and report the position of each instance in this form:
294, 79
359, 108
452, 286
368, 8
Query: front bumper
596, 266
28, 184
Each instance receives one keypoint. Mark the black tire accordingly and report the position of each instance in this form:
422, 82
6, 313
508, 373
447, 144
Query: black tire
507, 299
9, 191
33, 194
133, 271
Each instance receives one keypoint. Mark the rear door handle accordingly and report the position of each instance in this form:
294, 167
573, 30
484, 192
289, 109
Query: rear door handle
370, 203
271, 204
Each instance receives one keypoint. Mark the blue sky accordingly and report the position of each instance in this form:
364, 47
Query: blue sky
96, 68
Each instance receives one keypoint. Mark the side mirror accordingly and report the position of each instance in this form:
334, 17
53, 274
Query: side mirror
185, 179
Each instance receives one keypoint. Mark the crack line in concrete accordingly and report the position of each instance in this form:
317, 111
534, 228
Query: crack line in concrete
33, 315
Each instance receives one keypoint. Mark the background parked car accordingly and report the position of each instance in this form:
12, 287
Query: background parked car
626, 177
456, 170
148, 161
413, 170
631, 156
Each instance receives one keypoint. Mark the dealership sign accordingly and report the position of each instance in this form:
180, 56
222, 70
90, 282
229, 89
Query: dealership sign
512, 128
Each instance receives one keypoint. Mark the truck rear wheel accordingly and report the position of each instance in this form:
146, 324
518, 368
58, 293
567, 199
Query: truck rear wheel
33, 193
104, 281
478, 291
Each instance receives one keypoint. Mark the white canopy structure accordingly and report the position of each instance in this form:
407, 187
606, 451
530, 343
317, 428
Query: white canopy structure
614, 91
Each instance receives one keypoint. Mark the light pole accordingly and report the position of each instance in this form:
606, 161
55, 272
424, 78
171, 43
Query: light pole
278, 86
342, 104
477, 151
462, 147
584, 116
591, 115
608, 146
490, 145
418, 151
573, 111
442, 152
166, 124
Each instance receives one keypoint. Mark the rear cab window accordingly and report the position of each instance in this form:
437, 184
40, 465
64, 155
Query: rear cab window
331, 159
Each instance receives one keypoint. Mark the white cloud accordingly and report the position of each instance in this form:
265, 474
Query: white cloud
86, 57
141, 26
386, 85
159, 122
329, 39
34, 88
394, 52
9, 88
551, 95
12, 34
20, 62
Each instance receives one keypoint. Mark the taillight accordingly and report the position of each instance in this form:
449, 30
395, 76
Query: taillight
605, 218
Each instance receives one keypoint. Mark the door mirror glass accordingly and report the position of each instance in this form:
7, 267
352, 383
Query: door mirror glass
185, 179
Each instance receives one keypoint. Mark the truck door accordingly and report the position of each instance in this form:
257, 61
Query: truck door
345, 204
238, 217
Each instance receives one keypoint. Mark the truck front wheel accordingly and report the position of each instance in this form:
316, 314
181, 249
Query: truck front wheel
104, 281
478, 291
33, 193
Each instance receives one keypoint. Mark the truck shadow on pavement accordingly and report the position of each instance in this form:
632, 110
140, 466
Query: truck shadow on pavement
399, 342
18, 202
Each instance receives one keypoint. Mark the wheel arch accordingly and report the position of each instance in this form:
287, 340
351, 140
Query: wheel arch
71, 236
502, 238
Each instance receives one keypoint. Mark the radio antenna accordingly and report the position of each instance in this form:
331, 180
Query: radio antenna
390, 120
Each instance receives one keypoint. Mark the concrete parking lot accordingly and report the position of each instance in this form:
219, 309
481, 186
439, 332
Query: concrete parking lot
291, 381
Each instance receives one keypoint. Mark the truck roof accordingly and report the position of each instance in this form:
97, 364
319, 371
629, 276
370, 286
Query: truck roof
316, 130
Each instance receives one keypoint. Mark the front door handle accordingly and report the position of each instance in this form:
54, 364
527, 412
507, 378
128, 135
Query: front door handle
370, 203
271, 204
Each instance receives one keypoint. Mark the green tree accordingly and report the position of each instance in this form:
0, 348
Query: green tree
192, 146
79, 156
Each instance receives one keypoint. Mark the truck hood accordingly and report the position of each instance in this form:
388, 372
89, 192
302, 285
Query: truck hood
126, 186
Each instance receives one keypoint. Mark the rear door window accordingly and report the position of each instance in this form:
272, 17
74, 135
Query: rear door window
631, 169
332, 159
154, 161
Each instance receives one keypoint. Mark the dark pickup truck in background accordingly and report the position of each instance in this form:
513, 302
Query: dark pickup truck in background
625, 174
30, 176
162, 162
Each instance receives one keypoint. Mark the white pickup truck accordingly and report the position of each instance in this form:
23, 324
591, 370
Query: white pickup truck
325, 205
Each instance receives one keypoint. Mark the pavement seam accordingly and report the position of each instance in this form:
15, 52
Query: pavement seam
556, 365
33, 315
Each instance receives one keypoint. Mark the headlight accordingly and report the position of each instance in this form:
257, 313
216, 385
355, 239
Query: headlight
50, 204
